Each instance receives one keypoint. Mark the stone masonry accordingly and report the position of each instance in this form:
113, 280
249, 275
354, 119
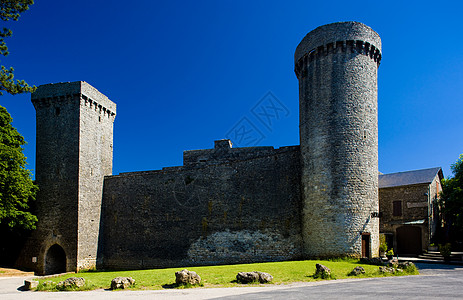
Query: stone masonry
223, 205
409, 208
74, 153
336, 65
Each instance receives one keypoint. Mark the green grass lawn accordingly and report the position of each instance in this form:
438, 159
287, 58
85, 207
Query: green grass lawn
224, 276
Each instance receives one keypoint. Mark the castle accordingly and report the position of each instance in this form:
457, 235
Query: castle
224, 205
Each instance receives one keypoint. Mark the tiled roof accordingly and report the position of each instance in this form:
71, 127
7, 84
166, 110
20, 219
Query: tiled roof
409, 177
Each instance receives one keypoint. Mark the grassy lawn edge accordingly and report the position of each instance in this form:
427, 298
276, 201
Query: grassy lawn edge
223, 275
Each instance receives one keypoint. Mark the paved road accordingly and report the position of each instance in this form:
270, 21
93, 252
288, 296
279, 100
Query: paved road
437, 281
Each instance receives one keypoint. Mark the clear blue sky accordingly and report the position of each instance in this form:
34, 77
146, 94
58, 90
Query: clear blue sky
185, 74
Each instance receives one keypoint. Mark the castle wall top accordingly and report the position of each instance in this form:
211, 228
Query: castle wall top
61, 89
224, 153
335, 32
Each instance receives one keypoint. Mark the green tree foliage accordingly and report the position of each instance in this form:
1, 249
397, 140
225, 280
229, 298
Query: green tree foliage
11, 10
17, 189
452, 199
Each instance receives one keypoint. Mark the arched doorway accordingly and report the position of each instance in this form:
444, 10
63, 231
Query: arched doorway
409, 240
55, 260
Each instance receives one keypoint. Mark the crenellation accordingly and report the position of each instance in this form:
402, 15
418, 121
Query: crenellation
330, 48
93, 105
351, 46
222, 154
49, 101
361, 47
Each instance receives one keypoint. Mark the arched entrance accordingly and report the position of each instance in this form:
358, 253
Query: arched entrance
409, 240
55, 260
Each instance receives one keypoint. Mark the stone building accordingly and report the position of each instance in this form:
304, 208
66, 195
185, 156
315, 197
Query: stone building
223, 205
409, 210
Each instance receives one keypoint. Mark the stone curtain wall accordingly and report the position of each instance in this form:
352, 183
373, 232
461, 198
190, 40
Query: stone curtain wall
218, 211
336, 65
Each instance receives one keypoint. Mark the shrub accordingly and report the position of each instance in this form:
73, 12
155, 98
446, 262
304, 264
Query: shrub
382, 243
445, 250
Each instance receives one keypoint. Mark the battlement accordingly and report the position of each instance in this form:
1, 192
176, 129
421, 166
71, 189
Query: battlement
331, 33
224, 153
342, 37
345, 46
81, 91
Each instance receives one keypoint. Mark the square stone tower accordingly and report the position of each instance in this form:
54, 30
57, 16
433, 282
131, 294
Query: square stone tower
74, 153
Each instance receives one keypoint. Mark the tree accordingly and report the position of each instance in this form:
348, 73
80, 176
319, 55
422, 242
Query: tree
452, 200
17, 189
11, 10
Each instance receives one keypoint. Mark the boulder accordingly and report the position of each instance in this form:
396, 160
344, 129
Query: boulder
393, 263
248, 277
372, 261
30, 284
357, 271
187, 277
322, 271
387, 270
122, 282
71, 282
404, 265
264, 277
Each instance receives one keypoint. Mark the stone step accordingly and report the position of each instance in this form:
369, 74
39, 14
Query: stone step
438, 256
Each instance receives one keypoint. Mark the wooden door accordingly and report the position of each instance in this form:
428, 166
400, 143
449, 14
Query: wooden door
409, 240
366, 245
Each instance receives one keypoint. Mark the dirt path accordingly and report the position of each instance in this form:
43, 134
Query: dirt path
5, 272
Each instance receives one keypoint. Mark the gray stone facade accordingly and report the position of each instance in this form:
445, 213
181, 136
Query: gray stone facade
409, 209
336, 65
223, 205
74, 153
232, 205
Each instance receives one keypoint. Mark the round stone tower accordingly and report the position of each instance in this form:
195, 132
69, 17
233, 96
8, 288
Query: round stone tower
336, 65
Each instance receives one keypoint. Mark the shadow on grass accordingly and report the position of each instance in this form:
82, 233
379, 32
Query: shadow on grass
256, 282
170, 286
181, 286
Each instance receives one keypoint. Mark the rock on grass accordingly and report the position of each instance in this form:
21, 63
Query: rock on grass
187, 277
248, 277
122, 282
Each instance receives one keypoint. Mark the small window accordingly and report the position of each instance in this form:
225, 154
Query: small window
57, 111
397, 208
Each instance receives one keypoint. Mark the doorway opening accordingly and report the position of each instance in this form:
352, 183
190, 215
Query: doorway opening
366, 245
409, 240
55, 260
